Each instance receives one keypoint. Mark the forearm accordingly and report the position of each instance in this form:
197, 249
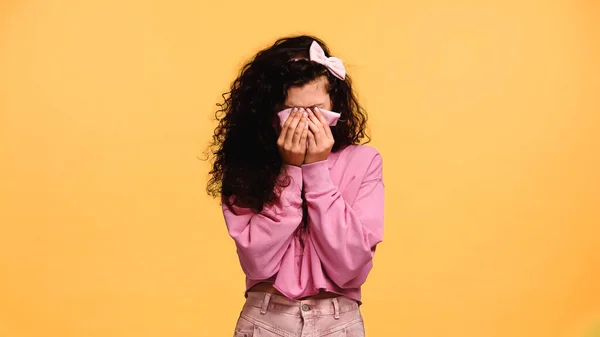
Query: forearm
263, 238
345, 236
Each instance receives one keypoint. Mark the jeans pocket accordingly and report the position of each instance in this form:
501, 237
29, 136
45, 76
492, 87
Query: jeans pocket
355, 330
255, 331
245, 328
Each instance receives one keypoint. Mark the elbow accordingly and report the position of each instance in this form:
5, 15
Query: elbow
259, 272
259, 268
351, 279
260, 275
261, 261
351, 274
352, 270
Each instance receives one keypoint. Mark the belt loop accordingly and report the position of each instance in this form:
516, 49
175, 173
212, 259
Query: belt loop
336, 308
265, 303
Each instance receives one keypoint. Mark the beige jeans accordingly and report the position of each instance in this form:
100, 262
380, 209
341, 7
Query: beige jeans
266, 315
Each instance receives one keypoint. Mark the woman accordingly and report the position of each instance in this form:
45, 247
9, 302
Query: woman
302, 200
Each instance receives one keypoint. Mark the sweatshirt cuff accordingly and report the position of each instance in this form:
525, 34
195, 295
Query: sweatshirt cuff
292, 194
316, 176
294, 172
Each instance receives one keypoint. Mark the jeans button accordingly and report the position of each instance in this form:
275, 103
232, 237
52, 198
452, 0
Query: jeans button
305, 307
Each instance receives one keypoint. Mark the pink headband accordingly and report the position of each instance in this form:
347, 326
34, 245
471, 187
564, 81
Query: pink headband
330, 116
333, 64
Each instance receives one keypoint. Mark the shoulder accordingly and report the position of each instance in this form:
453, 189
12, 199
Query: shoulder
361, 160
360, 153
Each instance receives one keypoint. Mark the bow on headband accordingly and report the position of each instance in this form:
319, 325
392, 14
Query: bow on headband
333, 64
330, 116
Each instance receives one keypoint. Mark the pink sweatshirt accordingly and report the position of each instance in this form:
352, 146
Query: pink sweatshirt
345, 199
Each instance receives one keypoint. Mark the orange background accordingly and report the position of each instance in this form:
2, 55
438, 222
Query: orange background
487, 115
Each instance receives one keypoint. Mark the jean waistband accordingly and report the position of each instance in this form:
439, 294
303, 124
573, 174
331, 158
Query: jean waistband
328, 306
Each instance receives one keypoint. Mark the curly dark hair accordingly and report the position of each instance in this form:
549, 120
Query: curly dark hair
247, 165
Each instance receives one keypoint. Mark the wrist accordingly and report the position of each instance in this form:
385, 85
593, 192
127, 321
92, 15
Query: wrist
314, 159
295, 163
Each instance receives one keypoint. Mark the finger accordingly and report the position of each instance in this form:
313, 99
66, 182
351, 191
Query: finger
299, 130
312, 143
323, 121
286, 124
290, 118
315, 126
292, 127
315, 121
306, 119
303, 139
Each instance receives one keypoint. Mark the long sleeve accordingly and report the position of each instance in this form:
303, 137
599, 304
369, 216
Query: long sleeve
263, 238
345, 235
